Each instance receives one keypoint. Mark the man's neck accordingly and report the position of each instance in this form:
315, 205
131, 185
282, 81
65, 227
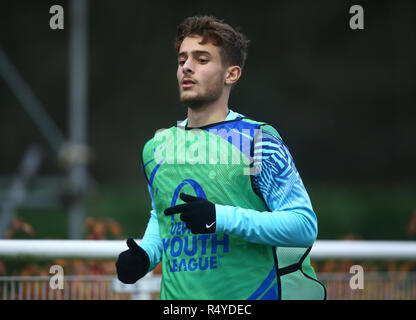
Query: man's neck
206, 115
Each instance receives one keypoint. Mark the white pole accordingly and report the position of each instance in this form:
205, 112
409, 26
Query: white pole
78, 176
356, 249
110, 249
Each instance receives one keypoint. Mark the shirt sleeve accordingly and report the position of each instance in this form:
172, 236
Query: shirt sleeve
151, 242
291, 221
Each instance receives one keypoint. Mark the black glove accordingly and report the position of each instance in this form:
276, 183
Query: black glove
197, 213
132, 264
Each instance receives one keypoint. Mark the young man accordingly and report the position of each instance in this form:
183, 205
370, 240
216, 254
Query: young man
230, 216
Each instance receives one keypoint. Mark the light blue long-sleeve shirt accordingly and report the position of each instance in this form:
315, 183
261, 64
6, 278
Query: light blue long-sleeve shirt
291, 221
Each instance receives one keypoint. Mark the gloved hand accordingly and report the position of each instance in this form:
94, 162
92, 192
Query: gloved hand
132, 264
198, 214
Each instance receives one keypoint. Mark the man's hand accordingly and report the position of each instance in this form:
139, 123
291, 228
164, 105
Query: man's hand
197, 213
132, 264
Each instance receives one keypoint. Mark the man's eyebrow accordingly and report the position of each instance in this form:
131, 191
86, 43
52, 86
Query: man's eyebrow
195, 53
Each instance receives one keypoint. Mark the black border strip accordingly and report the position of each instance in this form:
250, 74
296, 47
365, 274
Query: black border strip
276, 267
142, 162
294, 267
309, 277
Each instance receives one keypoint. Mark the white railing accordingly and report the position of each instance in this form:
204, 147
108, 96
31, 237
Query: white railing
78, 287
375, 286
378, 285
110, 249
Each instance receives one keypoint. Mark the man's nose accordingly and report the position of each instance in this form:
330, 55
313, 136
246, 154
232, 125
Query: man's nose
188, 66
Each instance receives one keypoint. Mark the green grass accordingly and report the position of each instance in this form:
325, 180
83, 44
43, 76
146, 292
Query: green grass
47, 223
127, 205
371, 212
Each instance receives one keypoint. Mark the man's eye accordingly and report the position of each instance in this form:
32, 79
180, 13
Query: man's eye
203, 60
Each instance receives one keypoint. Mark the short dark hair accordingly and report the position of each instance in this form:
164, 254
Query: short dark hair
234, 44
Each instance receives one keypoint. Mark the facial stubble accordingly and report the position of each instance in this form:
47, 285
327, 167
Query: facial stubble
212, 94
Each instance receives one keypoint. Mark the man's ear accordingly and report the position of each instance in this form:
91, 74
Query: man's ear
232, 75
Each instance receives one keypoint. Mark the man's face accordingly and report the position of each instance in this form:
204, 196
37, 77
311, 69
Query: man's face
201, 73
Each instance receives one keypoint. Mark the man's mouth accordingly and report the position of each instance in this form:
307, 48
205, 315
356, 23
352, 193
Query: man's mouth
187, 83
